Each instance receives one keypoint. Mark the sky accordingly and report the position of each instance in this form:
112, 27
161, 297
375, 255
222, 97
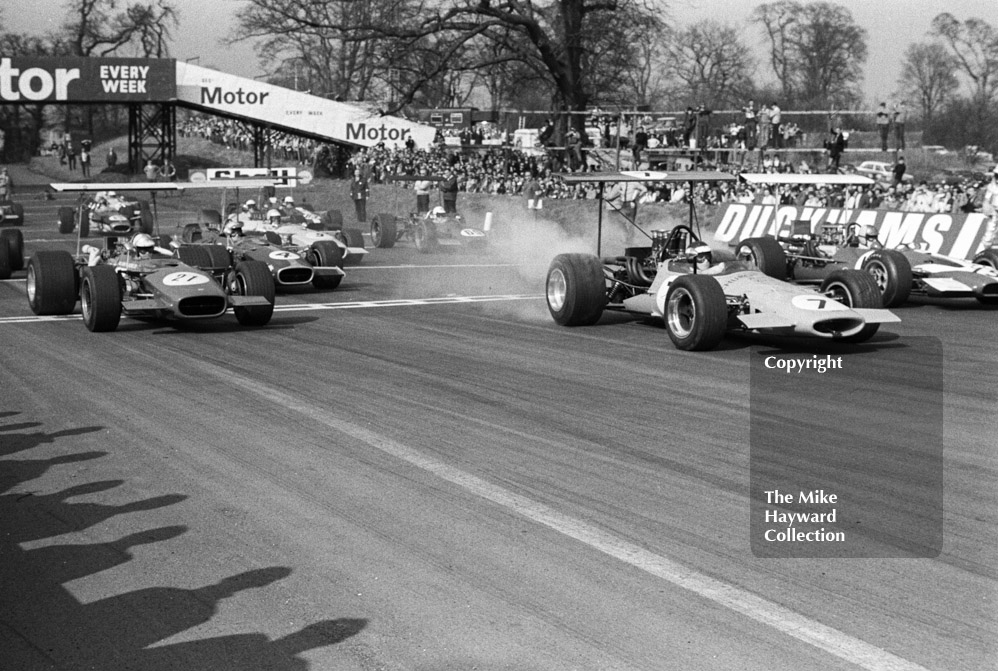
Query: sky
891, 26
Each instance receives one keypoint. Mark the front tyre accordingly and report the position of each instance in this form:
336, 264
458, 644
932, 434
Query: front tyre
696, 313
576, 289
253, 278
764, 254
988, 257
14, 241
326, 253
384, 230
100, 298
855, 289
425, 237
891, 271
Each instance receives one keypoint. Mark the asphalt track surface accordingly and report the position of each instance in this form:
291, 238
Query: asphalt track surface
420, 470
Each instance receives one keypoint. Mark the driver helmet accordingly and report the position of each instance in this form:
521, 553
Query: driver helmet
234, 228
288, 200
439, 211
272, 200
274, 216
250, 204
869, 232
701, 254
111, 194
143, 243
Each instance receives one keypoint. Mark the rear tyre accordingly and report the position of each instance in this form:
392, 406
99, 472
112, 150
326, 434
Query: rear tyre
145, 217
326, 253
100, 298
855, 289
5, 269
696, 313
764, 254
217, 258
51, 283
891, 271
67, 220
253, 278
384, 230
333, 220
576, 289
14, 241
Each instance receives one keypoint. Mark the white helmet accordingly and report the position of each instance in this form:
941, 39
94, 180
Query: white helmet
234, 227
700, 254
273, 214
869, 231
439, 211
143, 242
288, 200
272, 200
111, 194
250, 203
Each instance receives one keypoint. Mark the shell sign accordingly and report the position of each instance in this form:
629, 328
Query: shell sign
79, 80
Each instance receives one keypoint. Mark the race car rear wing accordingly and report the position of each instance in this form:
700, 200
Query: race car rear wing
675, 177
806, 179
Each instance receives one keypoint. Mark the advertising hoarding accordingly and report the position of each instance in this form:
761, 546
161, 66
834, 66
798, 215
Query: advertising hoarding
27, 80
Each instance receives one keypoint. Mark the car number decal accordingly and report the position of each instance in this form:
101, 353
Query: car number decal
816, 302
281, 255
184, 279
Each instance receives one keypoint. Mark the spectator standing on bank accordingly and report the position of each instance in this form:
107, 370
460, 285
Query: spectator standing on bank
112, 157
703, 126
448, 191
151, 170
751, 124
898, 171
533, 193
71, 155
422, 188
883, 125
359, 191
85, 160
900, 119
776, 119
765, 127
640, 144
689, 125
836, 145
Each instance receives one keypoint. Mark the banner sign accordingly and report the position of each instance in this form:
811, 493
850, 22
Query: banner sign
28, 80
282, 176
955, 235
211, 90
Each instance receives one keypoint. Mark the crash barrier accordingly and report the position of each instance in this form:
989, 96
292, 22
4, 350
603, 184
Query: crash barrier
957, 235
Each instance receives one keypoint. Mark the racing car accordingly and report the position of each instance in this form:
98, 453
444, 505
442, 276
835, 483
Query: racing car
11, 252
123, 279
899, 273
298, 237
11, 213
320, 264
429, 230
700, 301
104, 211
145, 277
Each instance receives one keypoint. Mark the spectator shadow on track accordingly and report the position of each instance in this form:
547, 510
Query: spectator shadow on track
44, 626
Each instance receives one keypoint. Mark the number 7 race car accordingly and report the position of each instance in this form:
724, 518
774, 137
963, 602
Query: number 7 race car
698, 299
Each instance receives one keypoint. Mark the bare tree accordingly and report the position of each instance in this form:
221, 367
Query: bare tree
571, 43
974, 44
816, 51
94, 28
711, 63
927, 75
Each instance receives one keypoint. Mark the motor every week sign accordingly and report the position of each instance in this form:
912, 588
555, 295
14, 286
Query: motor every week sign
80, 80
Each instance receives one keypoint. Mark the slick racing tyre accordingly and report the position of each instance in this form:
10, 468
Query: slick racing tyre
326, 253
100, 298
855, 289
696, 312
51, 283
891, 271
67, 220
576, 289
764, 254
5, 266
988, 257
13, 239
253, 278
384, 230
